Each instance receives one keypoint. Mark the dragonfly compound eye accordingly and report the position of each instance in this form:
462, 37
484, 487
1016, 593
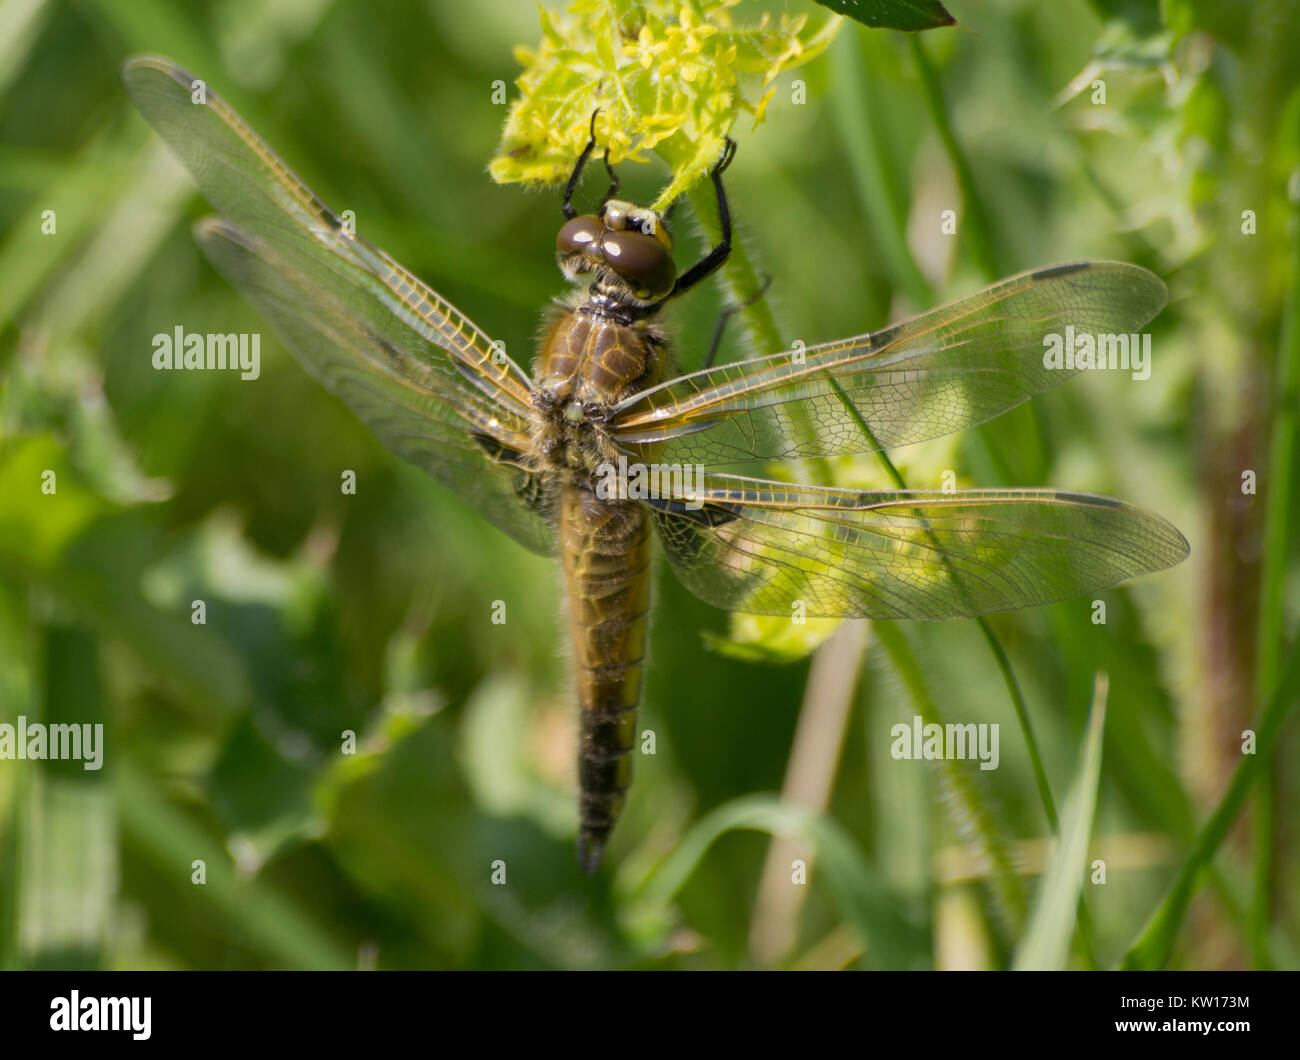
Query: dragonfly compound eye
578, 235
641, 260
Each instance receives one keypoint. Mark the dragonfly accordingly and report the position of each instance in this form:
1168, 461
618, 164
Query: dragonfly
533, 453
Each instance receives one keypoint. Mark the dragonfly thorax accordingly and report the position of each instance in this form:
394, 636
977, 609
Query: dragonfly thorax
589, 361
571, 435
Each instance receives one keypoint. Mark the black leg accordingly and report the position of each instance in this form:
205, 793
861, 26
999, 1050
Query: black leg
576, 175
727, 314
718, 254
613, 181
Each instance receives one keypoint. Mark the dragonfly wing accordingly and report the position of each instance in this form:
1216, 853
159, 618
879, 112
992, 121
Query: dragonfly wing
410, 420
428, 382
763, 547
943, 371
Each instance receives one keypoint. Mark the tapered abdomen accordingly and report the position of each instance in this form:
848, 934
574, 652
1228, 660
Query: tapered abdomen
606, 549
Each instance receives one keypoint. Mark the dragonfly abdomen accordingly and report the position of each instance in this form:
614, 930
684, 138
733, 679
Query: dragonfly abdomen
606, 548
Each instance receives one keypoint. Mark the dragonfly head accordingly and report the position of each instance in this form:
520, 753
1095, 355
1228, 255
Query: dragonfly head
627, 246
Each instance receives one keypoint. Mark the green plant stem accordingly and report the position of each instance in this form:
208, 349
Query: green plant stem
739, 277
1005, 881
979, 238
741, 285
1278, 534
1022, 716
1026, 728
863, 140
856, 111
1153, 948
741, 282
869, 170
978, 231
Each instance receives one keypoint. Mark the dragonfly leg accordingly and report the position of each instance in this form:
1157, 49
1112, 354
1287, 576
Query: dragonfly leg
728, 313
722, 251
576, 175
613, 181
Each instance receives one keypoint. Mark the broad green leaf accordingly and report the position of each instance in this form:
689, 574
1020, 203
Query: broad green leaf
1142, 16
908, 15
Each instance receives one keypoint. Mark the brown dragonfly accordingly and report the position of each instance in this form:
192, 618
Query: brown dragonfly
603, 441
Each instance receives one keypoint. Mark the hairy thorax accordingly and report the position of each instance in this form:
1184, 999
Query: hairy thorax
590, 358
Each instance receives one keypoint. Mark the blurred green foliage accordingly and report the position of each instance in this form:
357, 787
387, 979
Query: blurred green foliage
371, 614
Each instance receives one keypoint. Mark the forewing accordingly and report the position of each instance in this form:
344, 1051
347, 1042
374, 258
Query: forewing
764, 547
426, 380
943, 371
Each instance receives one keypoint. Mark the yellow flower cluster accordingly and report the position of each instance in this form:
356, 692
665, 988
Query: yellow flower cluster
664, 74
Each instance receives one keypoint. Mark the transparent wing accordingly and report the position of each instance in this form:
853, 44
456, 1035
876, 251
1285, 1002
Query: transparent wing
426, 380
943, 371
760, 547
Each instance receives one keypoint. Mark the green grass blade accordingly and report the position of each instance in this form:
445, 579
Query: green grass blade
856, 107
973, 809
1153, 948
1279, 533
1046, 944
979, 237
285, 933
892, 938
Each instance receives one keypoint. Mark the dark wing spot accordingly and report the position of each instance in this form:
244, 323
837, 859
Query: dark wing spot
710, 515
498, 453
1059, 270
883, 337
1092, 500
529, 486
